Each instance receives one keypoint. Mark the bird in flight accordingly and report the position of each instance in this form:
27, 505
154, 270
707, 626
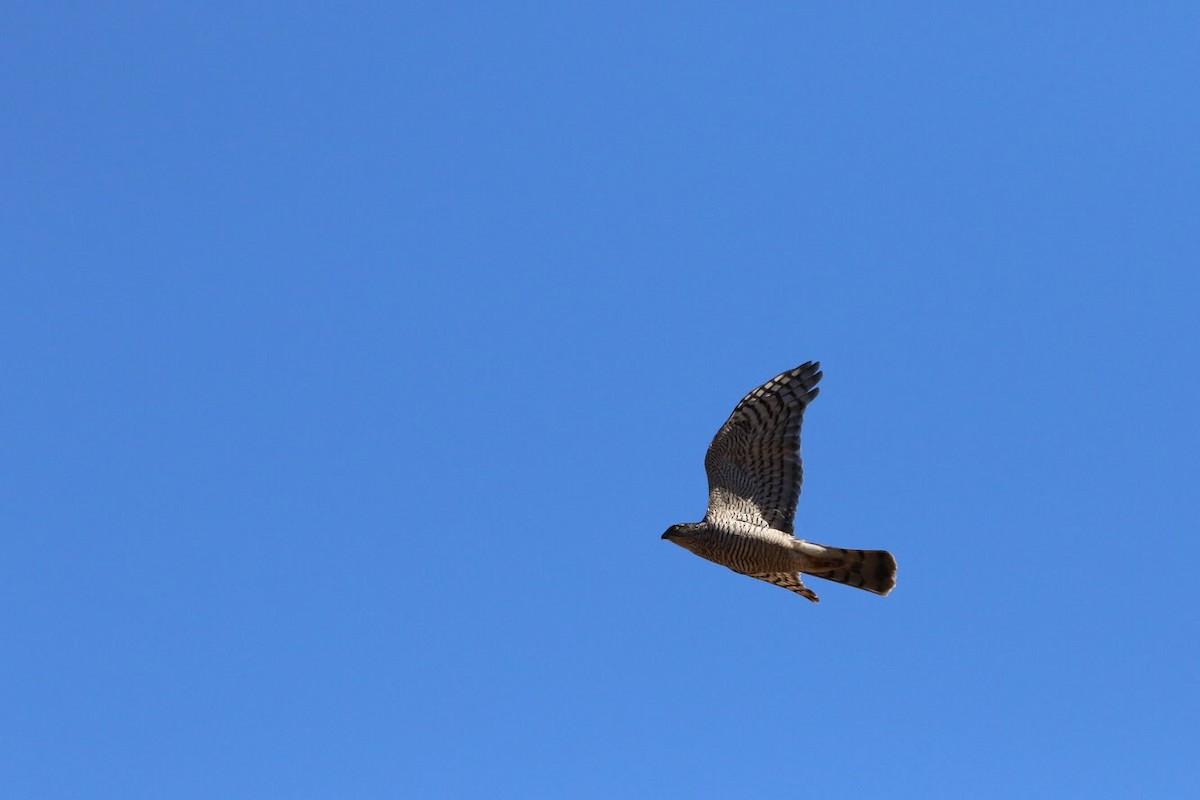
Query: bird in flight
754, 473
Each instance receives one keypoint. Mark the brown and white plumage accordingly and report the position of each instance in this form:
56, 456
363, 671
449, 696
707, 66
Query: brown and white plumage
754, 475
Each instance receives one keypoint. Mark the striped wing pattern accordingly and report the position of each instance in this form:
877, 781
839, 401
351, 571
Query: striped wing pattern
790, 581
753, 464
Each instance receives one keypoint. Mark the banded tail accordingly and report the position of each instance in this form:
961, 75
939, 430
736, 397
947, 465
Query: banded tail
873, 570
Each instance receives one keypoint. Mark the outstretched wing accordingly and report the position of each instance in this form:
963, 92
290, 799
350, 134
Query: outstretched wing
790, 581
753, 463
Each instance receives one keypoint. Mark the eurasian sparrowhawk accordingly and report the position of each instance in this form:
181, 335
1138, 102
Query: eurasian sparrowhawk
754, 473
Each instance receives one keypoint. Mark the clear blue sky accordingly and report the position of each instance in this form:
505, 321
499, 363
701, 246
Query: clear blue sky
356, 356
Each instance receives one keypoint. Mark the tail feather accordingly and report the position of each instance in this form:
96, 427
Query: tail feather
873, 570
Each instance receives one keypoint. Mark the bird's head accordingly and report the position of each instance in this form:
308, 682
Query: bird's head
683, 534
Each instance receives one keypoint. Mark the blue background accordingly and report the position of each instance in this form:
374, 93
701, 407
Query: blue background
356, 355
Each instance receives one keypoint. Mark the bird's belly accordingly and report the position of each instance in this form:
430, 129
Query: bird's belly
754, 552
